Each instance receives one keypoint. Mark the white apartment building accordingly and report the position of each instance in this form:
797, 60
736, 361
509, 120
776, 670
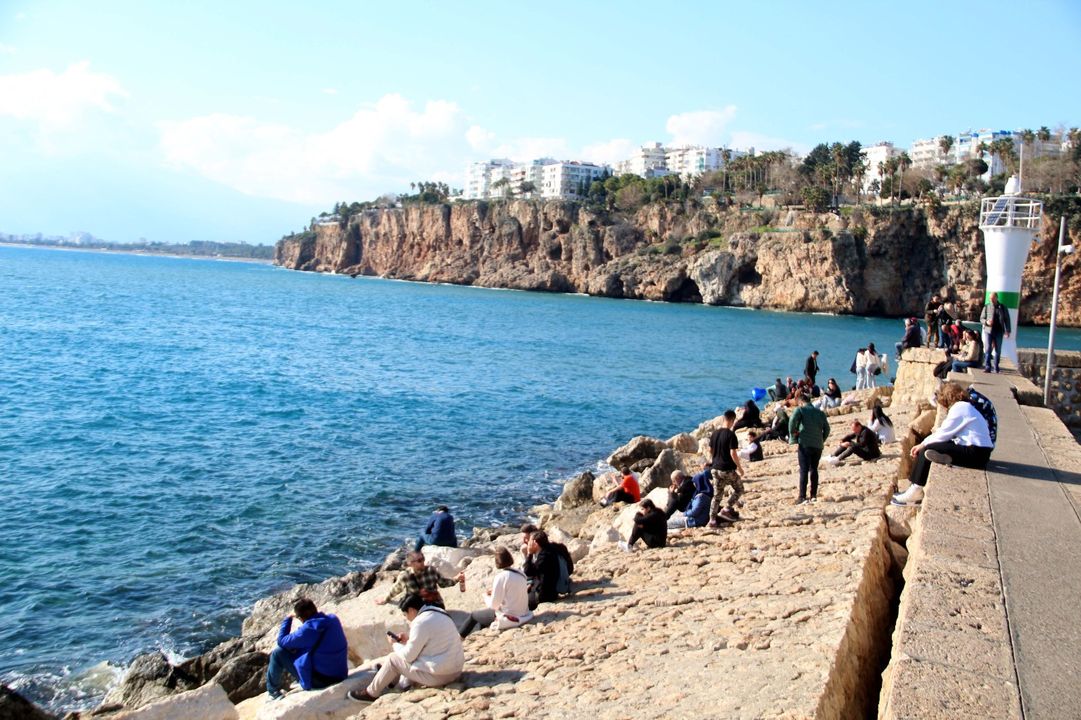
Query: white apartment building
874, 156
928, 153
692, 160
647, 161
480, 176
569, 179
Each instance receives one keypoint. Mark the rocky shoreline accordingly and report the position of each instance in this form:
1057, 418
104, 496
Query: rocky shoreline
237, 666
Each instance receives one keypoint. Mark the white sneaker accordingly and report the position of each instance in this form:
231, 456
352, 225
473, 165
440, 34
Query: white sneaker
833, 460
625, 547
912, 496
404, 683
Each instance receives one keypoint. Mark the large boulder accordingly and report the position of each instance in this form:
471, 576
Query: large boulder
268, 612
660, 472
449, 561
578, 491
331, 703
14, 706
206, 703
243, 676
150, 677
638, 449
202, 668
684, 442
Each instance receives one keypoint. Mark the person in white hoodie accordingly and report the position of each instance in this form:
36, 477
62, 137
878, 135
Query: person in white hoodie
430, 655
507, 601
962, 439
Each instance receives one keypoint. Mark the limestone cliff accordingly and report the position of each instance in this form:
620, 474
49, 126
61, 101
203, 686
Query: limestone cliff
869, 262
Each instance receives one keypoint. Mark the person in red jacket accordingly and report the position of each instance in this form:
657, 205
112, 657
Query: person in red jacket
628, 491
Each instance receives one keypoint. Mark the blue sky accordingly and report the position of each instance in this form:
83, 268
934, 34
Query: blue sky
240, 120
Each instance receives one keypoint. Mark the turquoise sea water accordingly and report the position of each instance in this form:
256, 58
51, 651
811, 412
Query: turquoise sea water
180, 437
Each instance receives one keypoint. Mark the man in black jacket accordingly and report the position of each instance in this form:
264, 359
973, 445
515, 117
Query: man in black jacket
862, 442
810, 369
542, 566
680, 493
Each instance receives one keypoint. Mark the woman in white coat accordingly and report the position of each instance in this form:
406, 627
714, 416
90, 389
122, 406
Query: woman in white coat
507, 601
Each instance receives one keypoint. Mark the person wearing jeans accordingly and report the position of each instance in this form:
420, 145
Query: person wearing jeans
315, 654
809, 429
995, 319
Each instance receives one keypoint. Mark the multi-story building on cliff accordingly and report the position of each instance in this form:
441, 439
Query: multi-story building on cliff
480, 176
647, 161
569, 179
875, 156
687, 161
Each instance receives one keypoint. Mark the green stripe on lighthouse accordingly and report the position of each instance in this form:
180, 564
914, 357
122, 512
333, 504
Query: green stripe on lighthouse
1011, 300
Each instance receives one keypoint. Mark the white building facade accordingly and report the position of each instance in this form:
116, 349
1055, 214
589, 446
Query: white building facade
647, 161
875, 156
570, 180
549, 178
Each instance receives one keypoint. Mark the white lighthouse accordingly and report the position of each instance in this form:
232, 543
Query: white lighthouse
1009, 224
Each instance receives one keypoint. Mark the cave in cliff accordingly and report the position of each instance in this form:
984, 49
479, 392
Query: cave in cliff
687, 292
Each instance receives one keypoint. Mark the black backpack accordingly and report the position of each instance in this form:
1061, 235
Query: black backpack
987, 408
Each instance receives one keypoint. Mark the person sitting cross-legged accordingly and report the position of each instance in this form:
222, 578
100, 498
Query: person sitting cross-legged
628, 490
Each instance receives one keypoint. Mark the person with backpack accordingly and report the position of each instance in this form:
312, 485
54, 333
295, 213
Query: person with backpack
650, 526
965, 438
315, 654
508, 600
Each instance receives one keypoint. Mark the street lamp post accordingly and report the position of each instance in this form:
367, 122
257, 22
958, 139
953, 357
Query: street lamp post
1063, 249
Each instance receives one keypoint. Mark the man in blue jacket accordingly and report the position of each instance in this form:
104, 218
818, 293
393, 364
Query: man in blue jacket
315, 654
439, 530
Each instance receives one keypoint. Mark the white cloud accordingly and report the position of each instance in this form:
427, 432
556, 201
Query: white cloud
702, 127
8, 49
609, 152
55, 101
381, 147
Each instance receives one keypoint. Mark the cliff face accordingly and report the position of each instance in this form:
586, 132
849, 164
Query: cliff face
879, 264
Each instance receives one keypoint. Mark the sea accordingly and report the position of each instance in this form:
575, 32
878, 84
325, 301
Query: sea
180, 437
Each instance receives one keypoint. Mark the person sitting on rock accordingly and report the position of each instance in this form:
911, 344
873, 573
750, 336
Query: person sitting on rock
832, 397
430, 654
778, 429
969, 355
779, 390
680, 493
911, 338
963, 439
627, 492
882, 425
650, 526
527, 531
752, 451
508, 600
546, 566
421, 579
751, 417
862, 442
439, 530
315, 654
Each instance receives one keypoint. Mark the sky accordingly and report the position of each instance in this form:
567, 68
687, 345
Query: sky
239, 121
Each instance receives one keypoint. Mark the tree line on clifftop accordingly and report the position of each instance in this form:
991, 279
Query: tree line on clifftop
831, 175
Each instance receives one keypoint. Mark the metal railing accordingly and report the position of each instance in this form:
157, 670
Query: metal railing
1009, 211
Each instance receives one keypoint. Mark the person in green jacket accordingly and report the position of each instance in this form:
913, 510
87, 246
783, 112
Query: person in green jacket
809, 429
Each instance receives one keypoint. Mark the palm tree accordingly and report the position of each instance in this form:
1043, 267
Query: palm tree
1044, 134
945, 144
903, 163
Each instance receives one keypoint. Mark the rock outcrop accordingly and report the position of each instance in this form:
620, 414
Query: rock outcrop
14, 706
872, 261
